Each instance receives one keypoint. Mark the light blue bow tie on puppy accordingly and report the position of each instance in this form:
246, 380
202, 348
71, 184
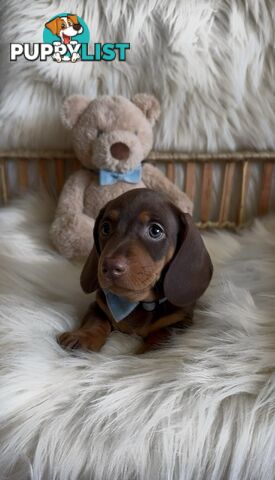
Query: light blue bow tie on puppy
107, 177
121, 307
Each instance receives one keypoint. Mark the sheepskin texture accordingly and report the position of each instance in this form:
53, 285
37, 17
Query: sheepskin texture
200, 408
209, 62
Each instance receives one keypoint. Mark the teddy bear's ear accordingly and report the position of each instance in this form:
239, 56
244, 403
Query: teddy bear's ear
149, 105
72, 108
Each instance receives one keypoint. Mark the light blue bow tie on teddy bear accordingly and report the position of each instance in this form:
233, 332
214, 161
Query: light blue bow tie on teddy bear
107, 177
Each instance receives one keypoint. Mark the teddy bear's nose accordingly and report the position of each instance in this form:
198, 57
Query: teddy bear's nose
120, 151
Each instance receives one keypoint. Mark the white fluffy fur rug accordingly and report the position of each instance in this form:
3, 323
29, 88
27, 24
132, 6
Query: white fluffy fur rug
210, 62
202, 408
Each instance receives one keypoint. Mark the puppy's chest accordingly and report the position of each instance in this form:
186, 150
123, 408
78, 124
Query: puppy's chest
140, 321
96, 196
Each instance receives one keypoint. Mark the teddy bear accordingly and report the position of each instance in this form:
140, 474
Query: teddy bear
111, 136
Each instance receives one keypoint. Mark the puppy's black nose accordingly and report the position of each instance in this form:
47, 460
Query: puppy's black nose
114, 266
120, 151
77, 26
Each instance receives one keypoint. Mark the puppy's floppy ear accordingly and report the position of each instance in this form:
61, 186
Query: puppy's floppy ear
89, 279
149, 105
74, 19
72, 108
52, 25
191, 269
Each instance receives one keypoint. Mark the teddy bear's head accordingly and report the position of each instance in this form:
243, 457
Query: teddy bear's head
111, 132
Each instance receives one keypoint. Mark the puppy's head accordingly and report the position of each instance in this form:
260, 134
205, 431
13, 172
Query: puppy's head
65, 27
142, 241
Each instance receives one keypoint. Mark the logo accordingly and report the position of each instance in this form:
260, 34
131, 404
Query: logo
66, 37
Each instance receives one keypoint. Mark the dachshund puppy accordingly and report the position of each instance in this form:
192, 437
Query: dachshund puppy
148, 266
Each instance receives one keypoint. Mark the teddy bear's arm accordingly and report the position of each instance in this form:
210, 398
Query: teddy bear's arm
72, 230
153, 178
71, 200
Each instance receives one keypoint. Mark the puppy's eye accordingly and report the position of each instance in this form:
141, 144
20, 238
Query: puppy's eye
63, 25
156, 231
105, 229
99, 132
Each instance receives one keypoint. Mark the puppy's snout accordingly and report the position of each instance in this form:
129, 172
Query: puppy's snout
114, 266
120, 151
77, 26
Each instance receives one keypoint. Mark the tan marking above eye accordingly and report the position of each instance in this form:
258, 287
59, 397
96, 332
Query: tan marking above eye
113, 214
144, 217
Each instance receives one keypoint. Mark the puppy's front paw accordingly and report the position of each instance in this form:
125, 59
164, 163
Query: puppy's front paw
80, 339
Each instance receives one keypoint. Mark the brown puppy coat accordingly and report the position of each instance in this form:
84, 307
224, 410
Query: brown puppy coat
148, 265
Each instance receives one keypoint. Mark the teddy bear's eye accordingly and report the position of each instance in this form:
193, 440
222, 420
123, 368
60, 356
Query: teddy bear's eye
99, 132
